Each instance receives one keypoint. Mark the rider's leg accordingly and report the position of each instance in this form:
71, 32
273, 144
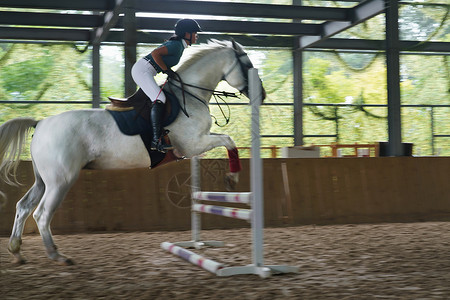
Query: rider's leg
143, 74
158, 142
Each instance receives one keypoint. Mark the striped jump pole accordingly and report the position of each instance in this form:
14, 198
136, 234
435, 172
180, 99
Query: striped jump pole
237, 213
207, 264
245, 198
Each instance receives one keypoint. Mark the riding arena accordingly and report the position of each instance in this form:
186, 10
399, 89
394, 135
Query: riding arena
109, 207
113, 224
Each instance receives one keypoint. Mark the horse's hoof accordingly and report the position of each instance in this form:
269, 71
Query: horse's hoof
230, 183
64, 261
19, 261
60, 259
18, 258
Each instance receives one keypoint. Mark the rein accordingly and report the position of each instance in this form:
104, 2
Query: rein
216, 94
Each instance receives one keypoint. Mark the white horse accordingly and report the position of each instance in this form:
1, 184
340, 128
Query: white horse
64, 144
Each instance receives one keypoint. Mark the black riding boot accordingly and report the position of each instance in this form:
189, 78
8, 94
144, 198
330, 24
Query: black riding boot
158, 143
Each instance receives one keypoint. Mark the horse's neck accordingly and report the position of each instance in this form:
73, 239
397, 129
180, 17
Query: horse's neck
206, 73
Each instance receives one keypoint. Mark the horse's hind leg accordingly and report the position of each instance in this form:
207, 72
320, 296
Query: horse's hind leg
23, 210
53, 196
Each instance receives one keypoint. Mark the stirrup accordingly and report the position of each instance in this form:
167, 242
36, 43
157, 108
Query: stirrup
163, 141
154, 146
167, 147
160, 147
163, 147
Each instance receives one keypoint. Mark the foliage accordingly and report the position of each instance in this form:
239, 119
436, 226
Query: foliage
61, 73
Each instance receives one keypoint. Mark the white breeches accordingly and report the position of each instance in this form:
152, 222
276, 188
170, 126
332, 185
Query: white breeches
143, 74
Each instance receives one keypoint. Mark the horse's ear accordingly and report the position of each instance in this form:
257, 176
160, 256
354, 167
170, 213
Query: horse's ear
235, 45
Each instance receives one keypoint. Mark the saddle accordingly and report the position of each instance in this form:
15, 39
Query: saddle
141, 103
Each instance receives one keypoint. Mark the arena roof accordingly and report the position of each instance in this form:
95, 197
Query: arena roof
96, 21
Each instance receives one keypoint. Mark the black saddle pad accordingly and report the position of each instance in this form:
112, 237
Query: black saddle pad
130, 123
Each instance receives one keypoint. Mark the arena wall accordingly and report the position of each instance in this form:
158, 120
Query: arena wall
297, 191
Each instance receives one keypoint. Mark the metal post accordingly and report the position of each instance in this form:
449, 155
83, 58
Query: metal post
256, 171
393, 79
298, 97
432, 131
195, 187
96, 75
298, 87
130, 35
337, 124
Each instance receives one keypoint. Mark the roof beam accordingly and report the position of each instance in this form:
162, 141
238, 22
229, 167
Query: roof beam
78, 35
246, 40
358, 14
380, 45
50, 19
349, 44
241, 9
88, 5
110, 19
91, 21
44, 34
233, 26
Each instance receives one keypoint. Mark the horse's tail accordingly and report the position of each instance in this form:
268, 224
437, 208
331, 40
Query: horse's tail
13, 134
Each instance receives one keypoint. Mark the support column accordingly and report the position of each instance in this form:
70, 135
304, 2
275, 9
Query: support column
130, 39
95, 75
393, 79
298, 87
298, 96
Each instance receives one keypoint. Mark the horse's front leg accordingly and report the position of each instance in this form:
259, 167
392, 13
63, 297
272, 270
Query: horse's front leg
208, 142
232, 178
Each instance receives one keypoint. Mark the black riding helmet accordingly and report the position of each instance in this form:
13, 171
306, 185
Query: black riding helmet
186, 25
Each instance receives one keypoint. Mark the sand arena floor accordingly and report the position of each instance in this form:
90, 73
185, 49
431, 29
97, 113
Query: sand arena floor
384, 261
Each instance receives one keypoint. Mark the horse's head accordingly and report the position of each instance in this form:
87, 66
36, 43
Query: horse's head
237, 73
209, 63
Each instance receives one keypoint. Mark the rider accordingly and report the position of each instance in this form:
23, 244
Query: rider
161, 60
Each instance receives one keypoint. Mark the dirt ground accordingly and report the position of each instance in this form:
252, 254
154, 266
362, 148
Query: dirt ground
383, 261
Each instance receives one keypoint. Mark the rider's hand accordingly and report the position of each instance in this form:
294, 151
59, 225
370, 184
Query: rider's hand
170, 73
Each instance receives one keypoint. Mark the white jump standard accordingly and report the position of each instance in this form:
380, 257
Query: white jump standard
254, 199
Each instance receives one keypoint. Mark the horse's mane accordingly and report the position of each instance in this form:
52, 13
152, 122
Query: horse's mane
199, 51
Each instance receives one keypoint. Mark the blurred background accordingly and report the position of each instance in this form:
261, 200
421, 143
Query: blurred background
344, 91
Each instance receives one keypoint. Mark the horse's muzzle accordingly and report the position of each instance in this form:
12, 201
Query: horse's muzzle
263, 91
263, 94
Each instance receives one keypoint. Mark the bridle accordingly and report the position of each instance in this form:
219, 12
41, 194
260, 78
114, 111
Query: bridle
216, 94
244, 70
